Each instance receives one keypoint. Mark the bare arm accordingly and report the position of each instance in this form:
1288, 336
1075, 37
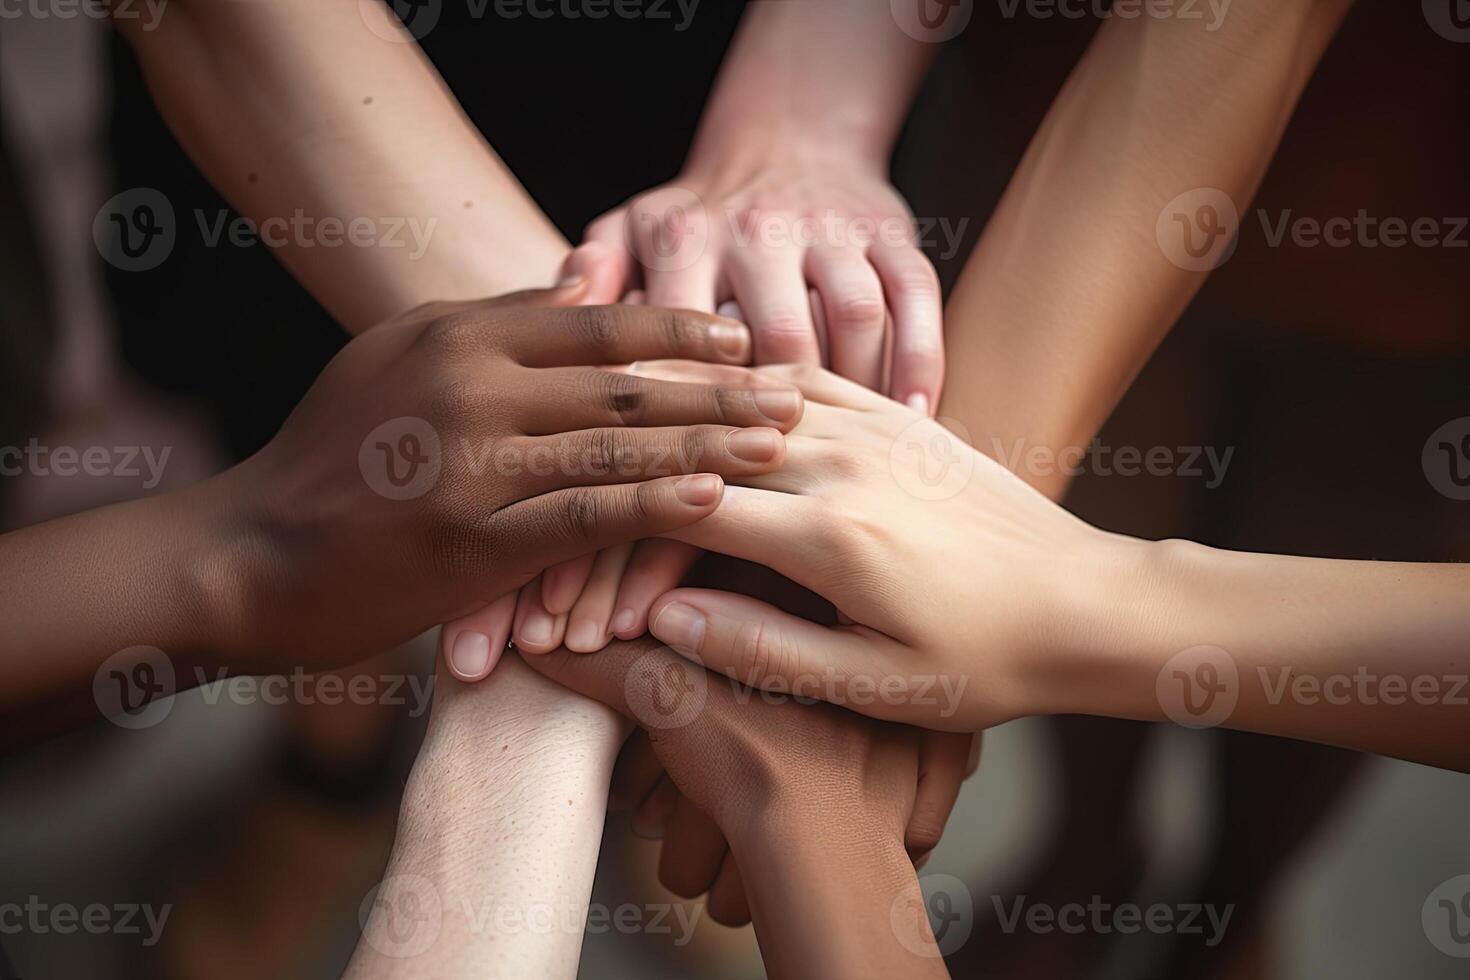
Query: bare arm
330, 109
498, 832
1072, 284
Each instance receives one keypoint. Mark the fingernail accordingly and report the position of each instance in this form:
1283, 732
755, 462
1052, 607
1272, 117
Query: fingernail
919, 402
471, 653
730, 340
584, 636
780, 404
537, 627
570, 279
699, 490
679, 625
625, 620
754, 445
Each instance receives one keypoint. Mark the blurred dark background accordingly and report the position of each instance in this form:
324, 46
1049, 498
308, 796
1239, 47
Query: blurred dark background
1324, 369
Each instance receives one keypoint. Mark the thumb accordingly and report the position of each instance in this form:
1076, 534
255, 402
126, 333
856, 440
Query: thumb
761, 646
603, 268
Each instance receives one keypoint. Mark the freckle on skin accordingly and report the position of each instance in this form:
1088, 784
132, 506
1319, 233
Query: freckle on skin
469, 204
252, 177
368, 100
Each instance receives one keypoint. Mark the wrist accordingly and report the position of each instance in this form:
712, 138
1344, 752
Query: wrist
1116, 612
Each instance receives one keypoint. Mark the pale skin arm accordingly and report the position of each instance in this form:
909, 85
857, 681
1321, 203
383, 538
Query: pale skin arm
329, 107
1069, 290
497, 837
987, 602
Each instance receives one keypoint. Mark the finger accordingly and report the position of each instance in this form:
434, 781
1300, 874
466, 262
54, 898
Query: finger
595, 457
976, 744
587, 625
657, 566
698, 372
611, 255
472, 645
561, 584
621, 334
772, 292
823, 386
554, 527
634, 774
912, 288
588, 398
605, 268
535, 629
763, 647
727, 903
683, 289
793, 534
650, 818
694, 848
731, 310
943, 757
851, 297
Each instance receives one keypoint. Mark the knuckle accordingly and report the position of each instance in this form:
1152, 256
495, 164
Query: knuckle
916, 275
454, 333
923, 833
761, 653
452, 402
605, 450
624, 396
580, 514
855, 313
595, 327
681, 333
783, 322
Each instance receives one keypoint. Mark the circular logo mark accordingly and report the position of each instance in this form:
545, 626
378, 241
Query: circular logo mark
400, 459
1199, 229
668, 230
1198, 687
135, 230
408, 916
134, 688
943, 910
933, 21
931, 459
1446, 917
1450, 19
1446, 459
400, 21
664, 691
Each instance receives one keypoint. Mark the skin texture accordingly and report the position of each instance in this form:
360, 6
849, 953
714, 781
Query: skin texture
813, 800
1364, 655
784, 212
490, 840
264, 567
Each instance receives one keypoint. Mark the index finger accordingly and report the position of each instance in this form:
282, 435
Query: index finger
623, 334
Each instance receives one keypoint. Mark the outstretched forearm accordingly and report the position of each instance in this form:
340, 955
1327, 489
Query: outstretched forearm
1362, 654
328, 110
829, 76
1071, 286
491, 872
